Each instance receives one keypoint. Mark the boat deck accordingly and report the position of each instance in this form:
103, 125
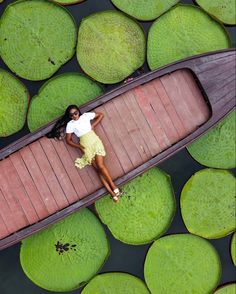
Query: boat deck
40, 179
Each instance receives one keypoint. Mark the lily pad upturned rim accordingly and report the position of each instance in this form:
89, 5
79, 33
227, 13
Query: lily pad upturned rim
191, 229
215, 17
223, 287
114, 274
72, 2
55, 77
233, 248
28, 99
184, 234
91, 74
164, 228
70, 56
114, 2
192, 55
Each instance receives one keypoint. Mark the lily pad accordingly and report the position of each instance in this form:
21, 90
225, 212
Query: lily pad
182, 263
227, 289
223, 10
217, 147
56, 94
36, 38
233, 248
208, 203
144, 212
144, 9
111, 46
14, 100
183, 31
115, 283
66, 255
68, 2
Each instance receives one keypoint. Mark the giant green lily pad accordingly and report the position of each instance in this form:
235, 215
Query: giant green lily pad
144, 212
217, 147
144, 9
227, 289
111, 46
182, 263
56, 94
183, 31
115, 283
208, 203
224, 10
68, 2
66, 255
233, 248
36, 38
14, 99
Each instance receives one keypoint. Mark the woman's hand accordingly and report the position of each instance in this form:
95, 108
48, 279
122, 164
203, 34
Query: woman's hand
98, 117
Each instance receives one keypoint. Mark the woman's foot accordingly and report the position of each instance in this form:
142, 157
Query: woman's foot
118, 192
115, 198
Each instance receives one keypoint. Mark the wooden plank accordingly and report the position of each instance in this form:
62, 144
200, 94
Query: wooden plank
59, 170
111, 159
161, 114
83, 173
141, 122
151, 118
115, 142
49, 174
3, 228
169, 107
196, 92
29, 185
18, 192
190, 99
173, 91
131, 128
38, 179
122, 133
7, 215
70, 168
9, 191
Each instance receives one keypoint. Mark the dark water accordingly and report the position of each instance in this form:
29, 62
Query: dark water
123, 257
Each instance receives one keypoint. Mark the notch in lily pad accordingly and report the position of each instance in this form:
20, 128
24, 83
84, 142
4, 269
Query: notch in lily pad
115, 283
111, 46
182, 263
14, 101
183, 31
36, 47
144, 212
66, 255
56, 94
208, 203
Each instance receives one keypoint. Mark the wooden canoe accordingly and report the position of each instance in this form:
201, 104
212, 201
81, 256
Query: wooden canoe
146, 121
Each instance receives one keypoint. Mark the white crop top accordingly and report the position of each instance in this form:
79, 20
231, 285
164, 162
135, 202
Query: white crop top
81, 126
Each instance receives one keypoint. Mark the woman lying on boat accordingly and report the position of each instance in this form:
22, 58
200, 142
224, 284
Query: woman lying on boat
90, 144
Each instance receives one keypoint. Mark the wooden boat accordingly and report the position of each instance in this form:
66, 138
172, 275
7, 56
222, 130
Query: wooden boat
146, 121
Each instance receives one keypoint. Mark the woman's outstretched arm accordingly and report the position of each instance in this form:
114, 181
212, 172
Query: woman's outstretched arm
70, 142
98, 117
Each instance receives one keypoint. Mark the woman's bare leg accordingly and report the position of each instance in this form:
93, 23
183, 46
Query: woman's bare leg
99, 159
104, 182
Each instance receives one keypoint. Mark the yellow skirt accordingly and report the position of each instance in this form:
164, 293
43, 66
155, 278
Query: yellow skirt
93, 146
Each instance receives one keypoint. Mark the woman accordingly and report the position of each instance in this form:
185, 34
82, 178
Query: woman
90, 144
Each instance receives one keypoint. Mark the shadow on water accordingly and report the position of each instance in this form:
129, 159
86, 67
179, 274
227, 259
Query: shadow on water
123, 257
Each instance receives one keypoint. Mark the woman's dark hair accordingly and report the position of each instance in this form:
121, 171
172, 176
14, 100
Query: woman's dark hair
60, 125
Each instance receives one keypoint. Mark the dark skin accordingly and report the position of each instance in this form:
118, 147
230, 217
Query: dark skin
98, 162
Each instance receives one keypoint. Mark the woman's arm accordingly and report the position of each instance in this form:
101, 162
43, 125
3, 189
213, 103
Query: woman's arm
70, 142
98, 117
